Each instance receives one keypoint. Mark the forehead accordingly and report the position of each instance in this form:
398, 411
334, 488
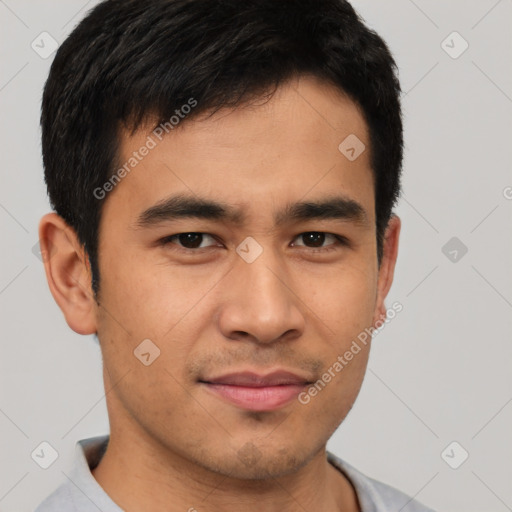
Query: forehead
255, 156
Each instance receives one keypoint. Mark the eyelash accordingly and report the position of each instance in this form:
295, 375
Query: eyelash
341, 241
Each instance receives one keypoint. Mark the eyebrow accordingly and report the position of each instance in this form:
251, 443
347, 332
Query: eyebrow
183, 206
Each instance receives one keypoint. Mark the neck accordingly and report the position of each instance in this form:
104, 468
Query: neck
147, 476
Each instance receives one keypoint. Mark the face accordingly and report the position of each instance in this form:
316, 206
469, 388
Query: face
248, 283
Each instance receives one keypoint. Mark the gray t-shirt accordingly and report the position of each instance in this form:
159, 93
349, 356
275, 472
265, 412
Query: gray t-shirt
82, 493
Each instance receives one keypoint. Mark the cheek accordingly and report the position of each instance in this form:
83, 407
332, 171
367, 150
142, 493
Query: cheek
159, 304
343, 298
149, 300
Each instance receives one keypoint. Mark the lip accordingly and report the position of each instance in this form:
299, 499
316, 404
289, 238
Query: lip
255, 380
256, 392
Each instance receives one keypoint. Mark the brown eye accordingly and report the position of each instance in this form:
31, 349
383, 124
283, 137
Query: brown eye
316, 241
314, 238
190, 240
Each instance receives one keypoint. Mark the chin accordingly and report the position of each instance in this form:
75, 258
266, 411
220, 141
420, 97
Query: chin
254, 462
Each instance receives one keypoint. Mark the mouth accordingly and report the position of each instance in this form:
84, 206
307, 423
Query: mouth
256, 392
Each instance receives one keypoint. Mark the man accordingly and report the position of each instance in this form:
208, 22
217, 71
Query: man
223, 176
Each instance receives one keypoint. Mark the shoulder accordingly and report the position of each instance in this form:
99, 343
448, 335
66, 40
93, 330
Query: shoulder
77, 496
60, 499
376, 496
80, 492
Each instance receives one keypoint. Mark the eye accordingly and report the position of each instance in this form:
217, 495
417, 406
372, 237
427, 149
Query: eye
188, 240
315, 240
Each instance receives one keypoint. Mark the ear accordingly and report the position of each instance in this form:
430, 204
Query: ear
68, 273
387, 267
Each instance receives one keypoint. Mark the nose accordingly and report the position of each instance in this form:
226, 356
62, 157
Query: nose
260, 303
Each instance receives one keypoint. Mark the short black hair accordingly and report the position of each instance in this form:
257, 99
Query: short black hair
130, 61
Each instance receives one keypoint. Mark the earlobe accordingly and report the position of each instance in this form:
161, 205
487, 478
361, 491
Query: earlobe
387, 268
68, 273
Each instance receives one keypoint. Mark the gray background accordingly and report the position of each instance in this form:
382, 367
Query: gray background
439, 372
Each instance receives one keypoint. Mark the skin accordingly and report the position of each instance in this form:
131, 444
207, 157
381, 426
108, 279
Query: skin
175, 446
